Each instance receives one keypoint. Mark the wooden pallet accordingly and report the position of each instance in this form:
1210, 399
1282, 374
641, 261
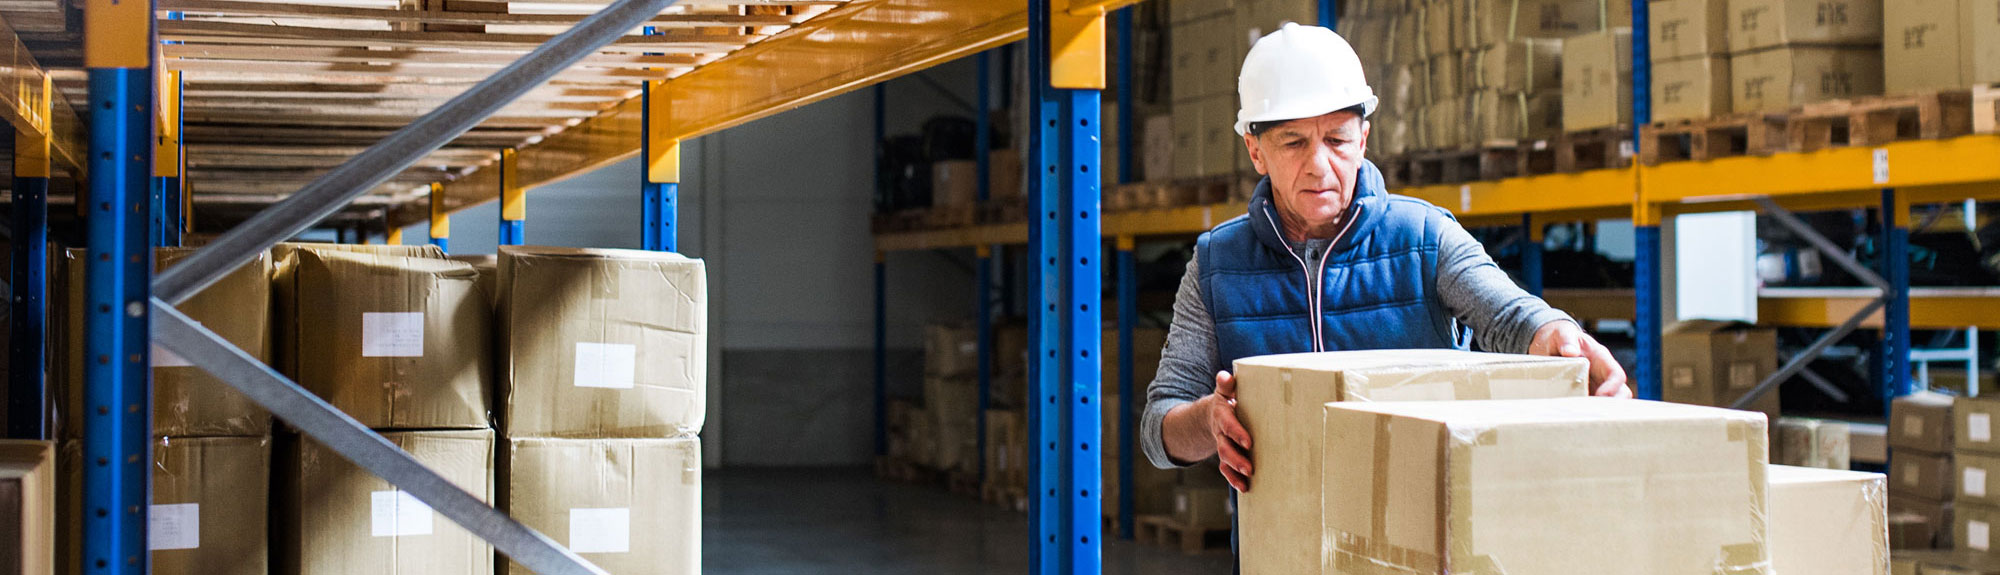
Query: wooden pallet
962, 482
1534, 157
1701, 139
944, 217
1489, 161
898, 469
1165, 531
1168, 195
1003, 211
1877, 120
1986, 109
1593, 150
898, 221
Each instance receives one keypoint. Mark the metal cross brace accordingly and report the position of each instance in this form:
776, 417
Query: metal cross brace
1798, 362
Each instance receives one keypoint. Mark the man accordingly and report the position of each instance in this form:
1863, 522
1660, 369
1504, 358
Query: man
1326, 260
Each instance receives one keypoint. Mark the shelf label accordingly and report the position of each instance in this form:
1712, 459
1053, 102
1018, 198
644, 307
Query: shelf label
1881, 165
1464, 198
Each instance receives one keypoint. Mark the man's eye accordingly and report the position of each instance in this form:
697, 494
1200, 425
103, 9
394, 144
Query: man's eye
1295, 144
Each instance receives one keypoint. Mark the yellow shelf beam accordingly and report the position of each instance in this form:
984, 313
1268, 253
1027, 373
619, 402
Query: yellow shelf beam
30, 103
1929, 171
1930, 308
1584, 195
1185, 221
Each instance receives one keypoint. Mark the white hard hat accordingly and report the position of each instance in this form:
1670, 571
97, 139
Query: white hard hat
1300, 72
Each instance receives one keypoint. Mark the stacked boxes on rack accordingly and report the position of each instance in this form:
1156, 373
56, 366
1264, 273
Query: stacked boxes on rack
400, 341
1714, 363
603, 380
1787, 53
1921, 471
1152, 488
1975, 507
1690, 57
951, 399
1939, 44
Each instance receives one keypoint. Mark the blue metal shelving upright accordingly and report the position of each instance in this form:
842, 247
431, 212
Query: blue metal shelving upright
1127, 278
28, 392
1649, 315
513, 203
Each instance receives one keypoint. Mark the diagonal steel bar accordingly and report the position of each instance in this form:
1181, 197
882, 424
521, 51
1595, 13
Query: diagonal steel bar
379, 162
1840, 257
1824, 386
352, 440
1798, 362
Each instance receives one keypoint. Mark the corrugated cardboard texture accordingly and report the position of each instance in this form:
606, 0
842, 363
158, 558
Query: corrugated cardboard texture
488, 267
1973, 428
1937, 515
1568, 485
228, 479
1828, 522
656, 481
186, 399
650, 306
1597, 80
1691, 88
1688, 28
28, 505
1759, 24
1279, 399
1921, 421
1777, 79
285, 249
328, 296
1972, 529
1714, 363
1925, 46
1981, 36
326, 513
1808, 442
1919, 474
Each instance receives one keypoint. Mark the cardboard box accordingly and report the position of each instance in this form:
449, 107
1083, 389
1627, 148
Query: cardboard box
1220, 145
1921, 421
1279, 400
1827, 522
211, 499
1807, 442
954, 183
1521, 66
1910, 531
186, 399
1437, 28
1007, 450
1188, 126
1759, 24
603, 343
1513, 116
952, 404
1972, 428
950, 350
1980, 33
1597, 80
1920, 474
1202, 507
1714, 363
27, 506
1179, 11
1152, 487
395, 342
1925, 45
1688, 28
1973, 529
1779, 79
1160, 149
1466, 486
335, 517
627, 505
1445, 74
1691, 88
1947, 562
1937, 516
1978, 479
1003, 174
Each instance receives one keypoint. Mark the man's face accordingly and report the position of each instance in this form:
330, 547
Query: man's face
1312, 164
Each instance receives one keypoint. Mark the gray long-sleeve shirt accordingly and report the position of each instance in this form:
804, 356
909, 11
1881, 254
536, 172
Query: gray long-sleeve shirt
1503, 318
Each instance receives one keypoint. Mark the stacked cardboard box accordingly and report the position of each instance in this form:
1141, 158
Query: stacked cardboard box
1205, 54
1006, 451
1826, 522
212, 445
1809, 442
1939, 44
1690, 58
1280, 400
400, 340
28, 506
1975, 507
1714, 363
1787, 53
1597, 80
1920, 467
604, 384
951, 397
1152, 487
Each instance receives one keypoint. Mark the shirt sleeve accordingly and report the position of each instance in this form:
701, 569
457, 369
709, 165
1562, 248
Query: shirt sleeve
1502, 315
1187, 366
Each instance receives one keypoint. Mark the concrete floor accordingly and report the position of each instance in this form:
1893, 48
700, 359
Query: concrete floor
783, 521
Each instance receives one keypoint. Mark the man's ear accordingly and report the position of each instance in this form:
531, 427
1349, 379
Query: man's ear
1256, 154
1365, 127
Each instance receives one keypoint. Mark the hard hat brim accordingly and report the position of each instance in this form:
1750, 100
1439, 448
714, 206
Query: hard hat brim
1279, 115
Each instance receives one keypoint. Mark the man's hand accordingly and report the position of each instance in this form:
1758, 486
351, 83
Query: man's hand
1232, 441
1565, 339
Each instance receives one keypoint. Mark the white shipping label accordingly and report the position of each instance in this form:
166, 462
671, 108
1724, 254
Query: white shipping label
1976, 533
1683, 377
1913, 426
1975, 482
1912, 475
162, 357
1180, 503
607, 365
605, 530
1742, 375
392, 334
173, 526
1979, 427
395, 514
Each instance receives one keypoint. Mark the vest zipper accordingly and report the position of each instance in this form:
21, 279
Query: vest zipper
1314, 298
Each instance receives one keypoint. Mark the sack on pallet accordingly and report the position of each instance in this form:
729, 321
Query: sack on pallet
1449, 487
1280, 399
1690, 88
1597, 80
1761, 24
603, 343
1827, 522
630, 506
1778, 79
334, 517
1688, 29
395, 342
1522, 66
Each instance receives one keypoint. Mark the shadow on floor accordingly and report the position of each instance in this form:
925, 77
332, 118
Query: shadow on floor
784, 521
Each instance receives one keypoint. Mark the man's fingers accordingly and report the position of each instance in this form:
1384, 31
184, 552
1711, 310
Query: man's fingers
1606, 373
1236, 480
1225, 385
1231, 428
1234, 457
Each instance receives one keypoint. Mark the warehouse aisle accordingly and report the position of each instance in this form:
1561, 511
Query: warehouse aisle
785, 521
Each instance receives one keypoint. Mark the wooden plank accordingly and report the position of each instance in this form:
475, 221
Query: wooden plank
536, 123
191, 31
488, 59
390, 71
284, 9
200, 88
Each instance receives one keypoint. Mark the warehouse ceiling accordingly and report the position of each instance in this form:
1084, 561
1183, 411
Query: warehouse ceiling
278, 92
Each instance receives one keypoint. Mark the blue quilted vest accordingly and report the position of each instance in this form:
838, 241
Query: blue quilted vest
1377, 290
